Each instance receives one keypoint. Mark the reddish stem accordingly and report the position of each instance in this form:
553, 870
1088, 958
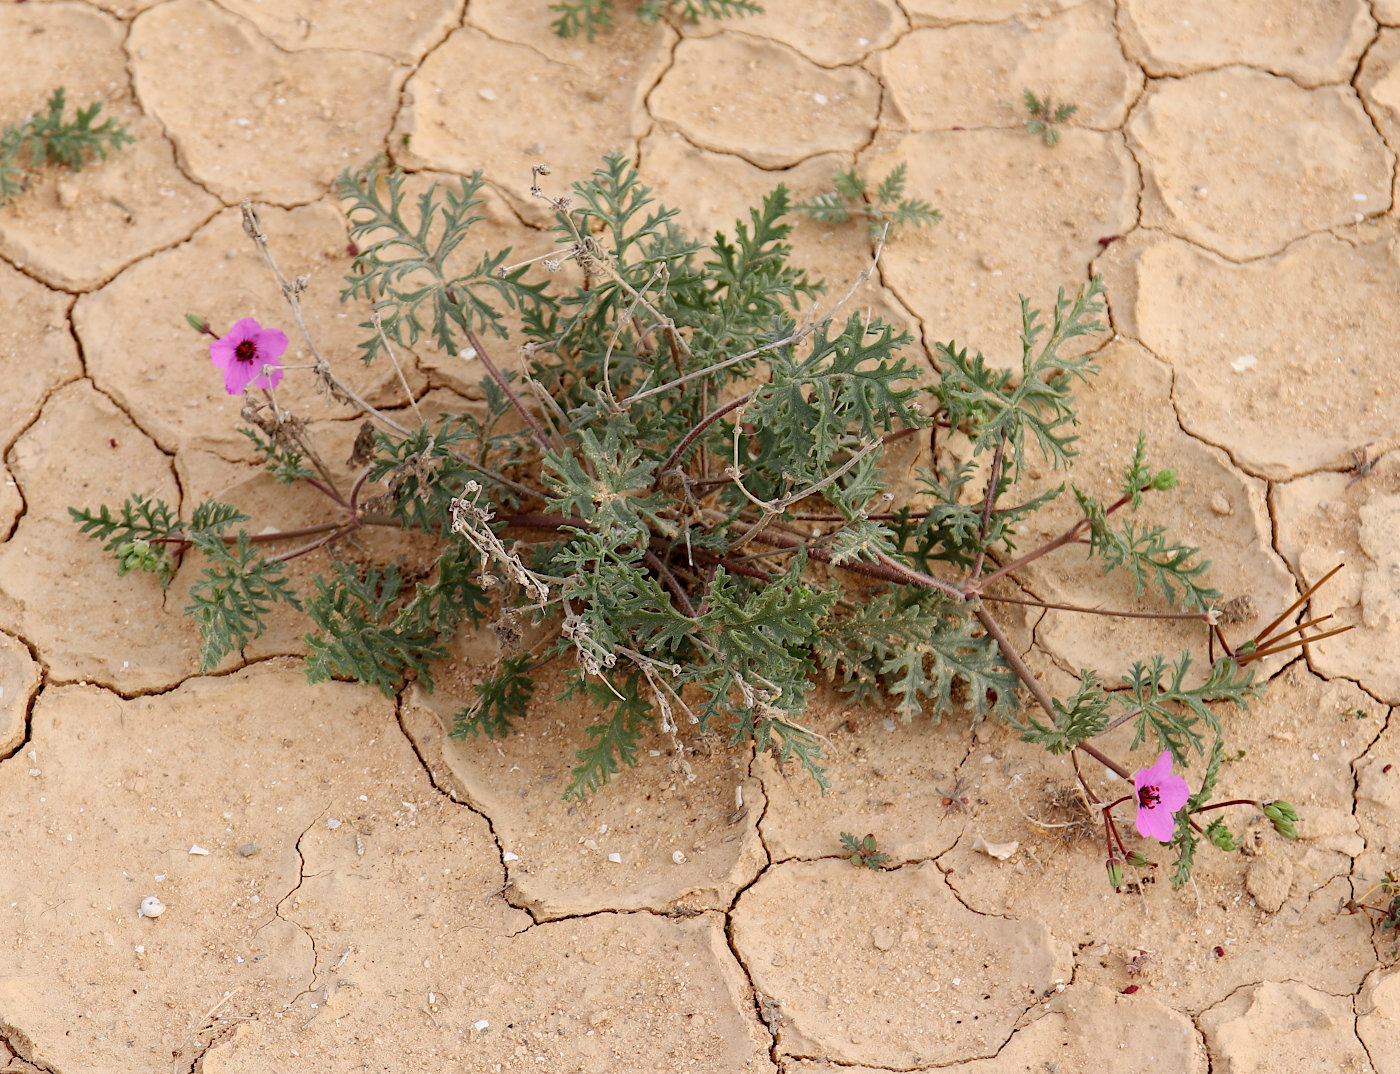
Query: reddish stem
689, 438
536, 429
1068, 537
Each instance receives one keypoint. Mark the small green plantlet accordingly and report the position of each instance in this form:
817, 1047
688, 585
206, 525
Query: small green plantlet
863, 852
592, 17
47, 138
885, 206
1045, 117
641, 487
1354, 712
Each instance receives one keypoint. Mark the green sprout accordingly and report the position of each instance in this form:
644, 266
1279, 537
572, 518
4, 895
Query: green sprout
47, 138
885, 206
1045, 117
863, 852
592, 17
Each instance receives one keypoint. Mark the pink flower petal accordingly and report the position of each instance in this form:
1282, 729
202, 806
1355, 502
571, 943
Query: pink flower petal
1168, 793
248, 355
1156, 824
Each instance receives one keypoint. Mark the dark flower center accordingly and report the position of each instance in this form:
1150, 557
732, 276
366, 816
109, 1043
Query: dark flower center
246, 351
1148, 797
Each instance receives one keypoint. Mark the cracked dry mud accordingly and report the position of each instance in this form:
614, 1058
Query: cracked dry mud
416, 903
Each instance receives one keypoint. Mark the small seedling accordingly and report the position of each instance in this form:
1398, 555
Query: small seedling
1362, 466
1354, 712
592, 17
863, 851
886, 206
46, 138
1045, 117
1389, 912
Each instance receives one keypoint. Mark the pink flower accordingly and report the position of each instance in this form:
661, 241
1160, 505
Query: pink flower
248, 356
1159, 795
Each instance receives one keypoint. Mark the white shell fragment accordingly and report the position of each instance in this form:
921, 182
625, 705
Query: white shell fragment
197, 849
678, 857
151, 907
509, 856
1000, 851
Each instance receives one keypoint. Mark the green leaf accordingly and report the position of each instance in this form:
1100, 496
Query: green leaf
1148, 555
889, 209
990, 408
615, 740
587, 17
500, 699
606, 484
762, 626
1172, 711
46, 138
424, 471
285, 463
891, 187
131, 536
367, 633
849, 389
1082, 717
860, 541
916, 644
233, 593
408, 271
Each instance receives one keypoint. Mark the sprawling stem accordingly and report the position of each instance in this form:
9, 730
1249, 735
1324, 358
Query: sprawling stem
993, 483
1042, 697
689, 438
536, 429
1071, 535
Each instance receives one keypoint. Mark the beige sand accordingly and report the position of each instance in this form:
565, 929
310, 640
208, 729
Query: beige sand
416, 904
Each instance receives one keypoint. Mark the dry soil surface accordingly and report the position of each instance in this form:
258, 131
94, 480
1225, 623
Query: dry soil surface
348, 889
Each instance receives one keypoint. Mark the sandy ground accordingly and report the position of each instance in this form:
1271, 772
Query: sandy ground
377, 897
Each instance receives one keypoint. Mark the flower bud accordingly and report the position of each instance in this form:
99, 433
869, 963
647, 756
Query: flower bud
200, 325
1163, 480
1137, 859
140, 555
1115, 873
1284, 818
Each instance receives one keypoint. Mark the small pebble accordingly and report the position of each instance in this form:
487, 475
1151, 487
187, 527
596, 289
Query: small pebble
615, 858
67, 194
249, 849
332, 823
481, 1026
486, 94
1220, 505
508, 856
197, 849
